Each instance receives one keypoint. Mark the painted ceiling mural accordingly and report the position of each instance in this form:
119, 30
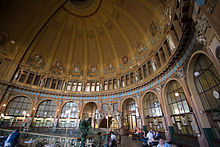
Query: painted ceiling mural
94, 38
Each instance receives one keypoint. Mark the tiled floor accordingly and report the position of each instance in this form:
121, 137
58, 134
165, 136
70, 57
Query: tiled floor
126, 141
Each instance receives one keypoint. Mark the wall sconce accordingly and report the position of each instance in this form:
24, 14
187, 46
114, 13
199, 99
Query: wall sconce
4, 105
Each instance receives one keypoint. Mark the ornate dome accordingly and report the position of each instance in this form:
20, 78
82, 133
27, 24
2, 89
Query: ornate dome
94, 39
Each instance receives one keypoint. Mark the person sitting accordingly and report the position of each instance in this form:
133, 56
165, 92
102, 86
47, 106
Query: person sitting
150, 137
157, 136
113, 141
98, 142
162, 143
151, 131
12, 139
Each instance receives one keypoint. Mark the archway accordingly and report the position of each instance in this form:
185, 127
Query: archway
44, 116
90, 110
152, 112
207, 84
129, 115
16, 112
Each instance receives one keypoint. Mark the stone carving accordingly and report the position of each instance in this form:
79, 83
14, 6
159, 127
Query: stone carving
141, 47
201, 26
42, 81
37, 61
101, 86
58, 67
17, 74
180, 73
202, 39
171, 42
119, 118
64, 85
154, 65
158, 88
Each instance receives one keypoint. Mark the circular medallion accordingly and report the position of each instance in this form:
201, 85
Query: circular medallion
82, 8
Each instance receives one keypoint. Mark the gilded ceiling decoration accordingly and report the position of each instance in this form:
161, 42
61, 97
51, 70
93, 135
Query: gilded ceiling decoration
97, 38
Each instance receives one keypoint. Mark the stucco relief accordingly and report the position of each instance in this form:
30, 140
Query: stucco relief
58, 67
201, 26
37, 60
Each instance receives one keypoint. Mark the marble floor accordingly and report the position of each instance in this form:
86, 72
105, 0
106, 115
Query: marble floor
126, 141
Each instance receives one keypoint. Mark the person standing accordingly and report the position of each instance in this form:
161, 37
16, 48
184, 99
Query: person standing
12, 139
113, 140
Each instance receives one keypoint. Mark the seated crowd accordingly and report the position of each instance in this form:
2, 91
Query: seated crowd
151, 138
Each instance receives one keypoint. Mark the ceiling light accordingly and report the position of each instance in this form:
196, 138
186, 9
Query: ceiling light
24, 112
196, 74
177, 94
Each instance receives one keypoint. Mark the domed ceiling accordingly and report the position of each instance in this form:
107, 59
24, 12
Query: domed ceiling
97, 38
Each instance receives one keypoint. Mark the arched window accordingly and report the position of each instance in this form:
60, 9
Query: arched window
69, 115
207, 83
176, 98
17, 111
46, 109
151, 105
44, 116
183, 119
18, 106
69, 110
152, 112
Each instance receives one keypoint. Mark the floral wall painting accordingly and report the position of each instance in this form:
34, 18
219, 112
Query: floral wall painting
93, 68
110, 66
37, 60
58, 67
153, 28
77, 68
141, 47
125, 59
